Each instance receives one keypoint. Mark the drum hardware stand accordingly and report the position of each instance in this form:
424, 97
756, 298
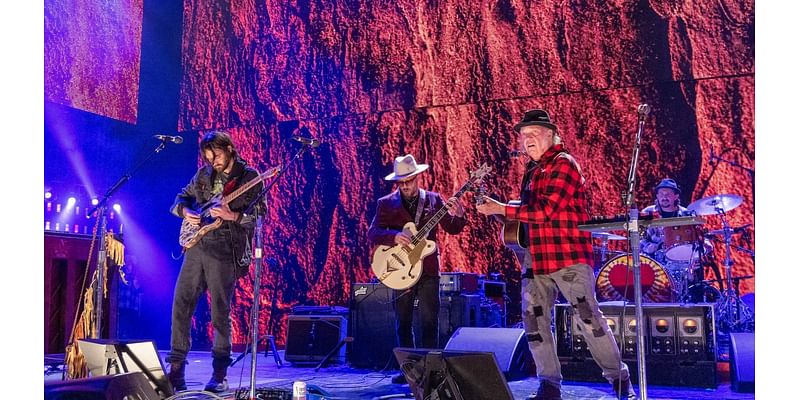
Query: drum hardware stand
254, 207
686, 274
734, 315
633, 237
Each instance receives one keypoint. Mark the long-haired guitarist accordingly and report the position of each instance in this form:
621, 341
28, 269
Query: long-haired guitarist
219, 257
410, 203
559, 256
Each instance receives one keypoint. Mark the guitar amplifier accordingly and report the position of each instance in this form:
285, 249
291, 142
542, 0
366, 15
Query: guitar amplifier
372, 324
458, 282
310, 337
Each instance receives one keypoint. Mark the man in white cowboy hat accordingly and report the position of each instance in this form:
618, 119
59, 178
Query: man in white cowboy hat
411, 203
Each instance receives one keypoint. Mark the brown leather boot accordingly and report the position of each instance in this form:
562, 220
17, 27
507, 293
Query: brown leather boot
177, 375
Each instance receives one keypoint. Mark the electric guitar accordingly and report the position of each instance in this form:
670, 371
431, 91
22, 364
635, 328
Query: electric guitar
400, 266
191, 234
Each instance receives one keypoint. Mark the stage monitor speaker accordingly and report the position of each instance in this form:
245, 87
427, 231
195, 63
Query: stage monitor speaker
372, 321
509, 346
310, 338
127, 386
743, 362
452, 375
111, 357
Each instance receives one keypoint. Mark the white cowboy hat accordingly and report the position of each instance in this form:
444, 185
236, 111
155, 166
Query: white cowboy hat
405, 167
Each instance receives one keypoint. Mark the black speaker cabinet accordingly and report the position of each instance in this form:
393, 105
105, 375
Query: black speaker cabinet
455, 311
509, 346
310, 338
372, 323
127, 386
111, 357
743, 362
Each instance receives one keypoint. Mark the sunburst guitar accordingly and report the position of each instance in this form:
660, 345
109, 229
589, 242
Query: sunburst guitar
400, 266
191, 234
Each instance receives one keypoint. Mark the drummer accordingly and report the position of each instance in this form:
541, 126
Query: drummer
667, 205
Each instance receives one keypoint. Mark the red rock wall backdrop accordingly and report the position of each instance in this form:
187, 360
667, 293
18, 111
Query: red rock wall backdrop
446, 81
92, 53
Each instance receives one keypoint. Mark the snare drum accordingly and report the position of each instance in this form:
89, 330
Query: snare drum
681, 243
657, 285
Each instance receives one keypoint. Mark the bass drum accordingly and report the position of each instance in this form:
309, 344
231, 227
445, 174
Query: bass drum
657, 285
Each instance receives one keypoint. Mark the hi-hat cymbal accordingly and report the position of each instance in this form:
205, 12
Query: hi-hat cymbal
713, 205
607, 236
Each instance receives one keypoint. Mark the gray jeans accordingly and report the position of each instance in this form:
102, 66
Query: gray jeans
207, 265
576, 283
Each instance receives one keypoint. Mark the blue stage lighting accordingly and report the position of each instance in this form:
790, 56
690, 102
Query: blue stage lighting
117, 208
95, 202
48, 194
71, 201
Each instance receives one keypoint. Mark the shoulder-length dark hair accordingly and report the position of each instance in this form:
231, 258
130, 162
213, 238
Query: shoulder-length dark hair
218, 140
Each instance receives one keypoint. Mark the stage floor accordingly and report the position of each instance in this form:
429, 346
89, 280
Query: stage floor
343, 382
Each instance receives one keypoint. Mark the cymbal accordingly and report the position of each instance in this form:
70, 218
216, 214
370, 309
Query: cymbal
607, 236
712, 205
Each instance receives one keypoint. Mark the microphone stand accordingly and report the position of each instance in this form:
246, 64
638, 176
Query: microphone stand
633, 237
752, 172
101, 208
253, 208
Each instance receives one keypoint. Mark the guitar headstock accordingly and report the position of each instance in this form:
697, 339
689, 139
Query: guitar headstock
477, 175
476, 183
270, 172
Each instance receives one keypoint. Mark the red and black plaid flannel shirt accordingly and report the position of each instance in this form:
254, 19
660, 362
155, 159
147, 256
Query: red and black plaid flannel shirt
555, 205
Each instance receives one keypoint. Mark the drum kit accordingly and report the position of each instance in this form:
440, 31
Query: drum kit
676, 272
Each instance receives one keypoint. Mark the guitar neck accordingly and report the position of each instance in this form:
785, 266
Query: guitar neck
250, 184
423, 232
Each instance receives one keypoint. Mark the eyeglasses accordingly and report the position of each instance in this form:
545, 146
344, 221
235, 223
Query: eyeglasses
407, 181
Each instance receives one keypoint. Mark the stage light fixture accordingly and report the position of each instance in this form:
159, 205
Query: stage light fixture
71, 201
48, 194
662, 333
662, 325
612, 324
117, 208
690, 326
632, 326
95, 202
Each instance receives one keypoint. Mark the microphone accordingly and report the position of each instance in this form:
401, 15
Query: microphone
643, 110
306, 141
167, 138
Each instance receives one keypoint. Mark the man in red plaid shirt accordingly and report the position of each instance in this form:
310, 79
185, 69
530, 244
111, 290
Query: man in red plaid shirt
553, 203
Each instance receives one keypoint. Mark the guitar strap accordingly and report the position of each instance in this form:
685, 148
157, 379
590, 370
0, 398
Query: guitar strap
420, 207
